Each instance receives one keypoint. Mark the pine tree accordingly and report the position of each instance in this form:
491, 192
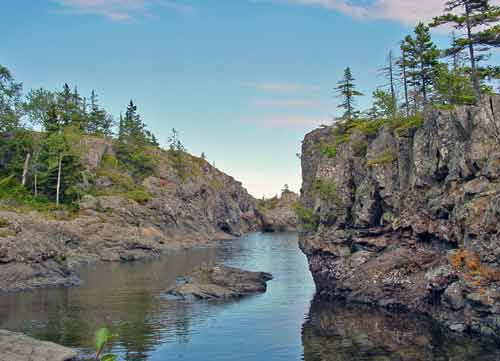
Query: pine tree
10, 101
389, 72
346, 90
421, 60
99, 122
474, 20
403, 73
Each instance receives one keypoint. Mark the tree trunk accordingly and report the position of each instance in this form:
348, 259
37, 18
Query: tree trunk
405, 82
25, 169
474, 78
58, 188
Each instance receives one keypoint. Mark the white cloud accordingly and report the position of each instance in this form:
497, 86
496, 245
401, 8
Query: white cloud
119, 10
405, 11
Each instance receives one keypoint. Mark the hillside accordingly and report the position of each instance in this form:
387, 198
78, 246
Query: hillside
119, 217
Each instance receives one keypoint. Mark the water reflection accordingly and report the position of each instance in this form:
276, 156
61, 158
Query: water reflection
264, 327
340, 332
124, 297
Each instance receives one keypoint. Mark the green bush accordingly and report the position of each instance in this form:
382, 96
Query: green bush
308, 220
384, 158
326, 189
139, 195
401, 124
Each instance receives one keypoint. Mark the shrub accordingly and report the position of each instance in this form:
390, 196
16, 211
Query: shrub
326, 189
385, 158
401, 124
308, 220
139, 195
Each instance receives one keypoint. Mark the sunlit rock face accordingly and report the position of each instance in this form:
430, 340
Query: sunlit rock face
411, 216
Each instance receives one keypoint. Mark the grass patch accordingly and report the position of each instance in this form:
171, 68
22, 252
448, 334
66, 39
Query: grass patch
308, 220
139, 195
382, 159
401, 124
326, 189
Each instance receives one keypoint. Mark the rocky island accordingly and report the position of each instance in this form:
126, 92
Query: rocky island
210, 282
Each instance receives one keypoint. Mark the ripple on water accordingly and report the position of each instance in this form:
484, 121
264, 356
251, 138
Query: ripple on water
280, 324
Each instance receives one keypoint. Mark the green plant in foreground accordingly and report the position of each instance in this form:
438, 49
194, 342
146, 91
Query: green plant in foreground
102, 337
327, 190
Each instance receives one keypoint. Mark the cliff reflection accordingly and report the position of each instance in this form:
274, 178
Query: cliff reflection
341, 332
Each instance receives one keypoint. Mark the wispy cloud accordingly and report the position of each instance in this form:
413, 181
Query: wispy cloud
281, 87
405, 11
119, 10
289, 122
285, 103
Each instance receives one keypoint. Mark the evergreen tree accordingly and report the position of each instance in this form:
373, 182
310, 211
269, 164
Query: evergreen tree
474, 20
60, 169
402, 64
421, 60
99, 122
384, 105
346, 89
389, 72
10, 101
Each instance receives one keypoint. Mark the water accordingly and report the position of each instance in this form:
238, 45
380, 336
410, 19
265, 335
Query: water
285, 323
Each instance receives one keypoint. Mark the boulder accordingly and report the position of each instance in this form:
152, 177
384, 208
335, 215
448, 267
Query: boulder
211, 282
18, 347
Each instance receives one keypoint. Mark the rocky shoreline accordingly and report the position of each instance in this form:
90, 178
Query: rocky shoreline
409, 217
40, 250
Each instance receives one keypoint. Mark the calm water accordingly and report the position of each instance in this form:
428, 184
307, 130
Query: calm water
285, 323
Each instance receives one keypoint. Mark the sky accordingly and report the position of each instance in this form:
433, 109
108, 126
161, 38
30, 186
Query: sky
242, 80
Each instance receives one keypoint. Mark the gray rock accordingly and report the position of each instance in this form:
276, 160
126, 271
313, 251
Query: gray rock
220, 282
19, 347
389, 242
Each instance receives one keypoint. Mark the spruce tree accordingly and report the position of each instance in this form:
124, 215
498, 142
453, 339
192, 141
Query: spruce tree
475, 20
346, 89
10, 101
421, 60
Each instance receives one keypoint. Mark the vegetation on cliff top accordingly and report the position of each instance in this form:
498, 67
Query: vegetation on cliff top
44, 139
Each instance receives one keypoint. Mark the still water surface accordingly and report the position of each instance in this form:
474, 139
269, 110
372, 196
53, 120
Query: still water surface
285, 323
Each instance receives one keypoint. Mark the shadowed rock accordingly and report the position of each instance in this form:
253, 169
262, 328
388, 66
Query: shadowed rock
19, 347
219, 282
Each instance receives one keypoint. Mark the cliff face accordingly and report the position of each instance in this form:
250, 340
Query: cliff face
408, 216
278, 214
116, 225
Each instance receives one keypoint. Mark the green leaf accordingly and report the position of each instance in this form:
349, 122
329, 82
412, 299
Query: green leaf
101, 338
109, 357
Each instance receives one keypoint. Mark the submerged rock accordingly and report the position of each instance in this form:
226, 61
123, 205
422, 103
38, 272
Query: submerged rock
18, 347
220, 282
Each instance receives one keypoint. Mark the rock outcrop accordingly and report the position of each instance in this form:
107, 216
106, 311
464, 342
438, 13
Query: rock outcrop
278, 214
19, 347
407, 216
170, 210
211, 282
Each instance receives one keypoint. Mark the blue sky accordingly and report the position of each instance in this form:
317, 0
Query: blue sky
242, 80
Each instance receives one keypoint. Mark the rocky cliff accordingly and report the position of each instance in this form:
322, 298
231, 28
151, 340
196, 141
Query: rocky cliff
278, 214
122, 221
406, 215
